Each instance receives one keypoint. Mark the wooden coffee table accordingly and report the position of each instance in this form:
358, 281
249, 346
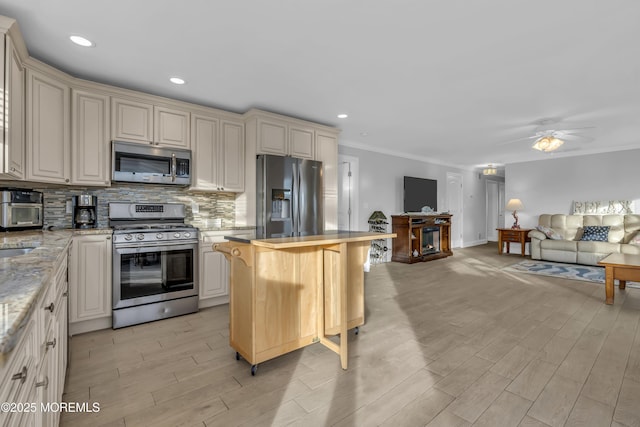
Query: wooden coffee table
622, 267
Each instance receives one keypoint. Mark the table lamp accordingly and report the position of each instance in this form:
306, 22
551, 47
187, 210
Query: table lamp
515, 205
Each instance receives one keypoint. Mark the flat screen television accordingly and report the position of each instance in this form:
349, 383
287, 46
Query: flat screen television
419, 192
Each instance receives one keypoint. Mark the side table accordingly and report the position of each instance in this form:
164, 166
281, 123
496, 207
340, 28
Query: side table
515, 235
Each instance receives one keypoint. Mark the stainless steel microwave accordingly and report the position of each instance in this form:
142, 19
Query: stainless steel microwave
20, 209
150, 164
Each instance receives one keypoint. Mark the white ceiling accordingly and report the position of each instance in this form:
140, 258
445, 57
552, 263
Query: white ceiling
449, 81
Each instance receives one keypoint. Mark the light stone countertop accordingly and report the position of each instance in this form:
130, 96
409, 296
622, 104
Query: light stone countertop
24, 277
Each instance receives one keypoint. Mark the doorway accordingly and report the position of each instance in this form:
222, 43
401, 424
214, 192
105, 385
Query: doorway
454, 205
348, 193
495, 209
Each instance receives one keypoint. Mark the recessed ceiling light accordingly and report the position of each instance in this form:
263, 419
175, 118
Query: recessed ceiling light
81, 41
342, 116
364, 133
177, 80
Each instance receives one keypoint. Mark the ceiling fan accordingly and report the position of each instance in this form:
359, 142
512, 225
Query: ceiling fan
550, 140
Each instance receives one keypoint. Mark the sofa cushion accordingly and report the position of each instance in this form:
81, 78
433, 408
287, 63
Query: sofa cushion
595, 233
616, 234
635, 239
598, 247
549, 232
631, 226
630, 249
560, 245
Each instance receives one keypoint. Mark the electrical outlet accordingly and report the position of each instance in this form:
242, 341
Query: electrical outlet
195, 208
69, 207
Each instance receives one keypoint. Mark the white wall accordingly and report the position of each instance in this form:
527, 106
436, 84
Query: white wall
381, 188
550, 186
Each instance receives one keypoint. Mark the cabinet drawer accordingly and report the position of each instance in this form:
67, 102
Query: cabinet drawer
511, 236
20, 364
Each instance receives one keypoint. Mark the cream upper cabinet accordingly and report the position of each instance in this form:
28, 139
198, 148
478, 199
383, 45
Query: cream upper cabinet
284, 138
171, 127
90, 142
301, 142
12, 141
205, 134
90, 278
327, 153
232, 156
48, 142
272, 137
138, 121
218, 146
131, 120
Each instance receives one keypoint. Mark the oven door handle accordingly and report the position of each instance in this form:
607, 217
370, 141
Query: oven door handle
153, 247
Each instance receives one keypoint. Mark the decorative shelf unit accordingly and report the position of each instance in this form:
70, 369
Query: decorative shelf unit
379, 247
421, 237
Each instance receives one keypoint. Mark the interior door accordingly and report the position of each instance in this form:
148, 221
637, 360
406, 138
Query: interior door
454, 205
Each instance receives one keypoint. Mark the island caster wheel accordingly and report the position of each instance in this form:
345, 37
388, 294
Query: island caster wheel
237, 356
254, 369
357, 330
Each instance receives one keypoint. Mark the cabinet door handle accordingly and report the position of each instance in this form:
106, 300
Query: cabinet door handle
50, 307
44, 383
65, 294
22, 375
51, 343
109, 238
66, 180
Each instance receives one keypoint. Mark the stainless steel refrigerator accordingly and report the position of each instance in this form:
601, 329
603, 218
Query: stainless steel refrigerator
290, 198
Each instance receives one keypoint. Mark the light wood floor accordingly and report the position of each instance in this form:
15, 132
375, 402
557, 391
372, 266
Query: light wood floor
452, 342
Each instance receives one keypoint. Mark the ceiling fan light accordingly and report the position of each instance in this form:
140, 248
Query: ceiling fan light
548, 144
489, 170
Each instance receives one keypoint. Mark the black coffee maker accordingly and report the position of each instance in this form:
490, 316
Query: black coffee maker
85, 209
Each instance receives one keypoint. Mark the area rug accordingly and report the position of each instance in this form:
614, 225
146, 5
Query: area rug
566, 271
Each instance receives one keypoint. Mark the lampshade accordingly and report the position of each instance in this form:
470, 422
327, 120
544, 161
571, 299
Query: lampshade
548, 143
514, 205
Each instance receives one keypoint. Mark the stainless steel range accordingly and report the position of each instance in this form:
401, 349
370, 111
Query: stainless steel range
155, 262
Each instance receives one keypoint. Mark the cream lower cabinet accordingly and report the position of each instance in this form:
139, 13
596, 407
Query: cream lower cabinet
48, 142
219, 154
90, 145
35, 371
17, 376
52, 345
213, 276
12, 140
90, 270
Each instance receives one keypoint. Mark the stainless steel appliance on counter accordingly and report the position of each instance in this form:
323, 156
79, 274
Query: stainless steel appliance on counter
20, 209
289, 197
155, 262
84, 211
132, 162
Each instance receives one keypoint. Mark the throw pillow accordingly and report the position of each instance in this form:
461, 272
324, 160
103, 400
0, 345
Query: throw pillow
635, 240
596, 233
549, 232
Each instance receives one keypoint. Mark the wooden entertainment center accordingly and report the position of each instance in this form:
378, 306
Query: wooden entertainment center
421, 237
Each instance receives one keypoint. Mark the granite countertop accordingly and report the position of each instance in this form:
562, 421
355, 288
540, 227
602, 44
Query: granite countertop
210, 228
24, 277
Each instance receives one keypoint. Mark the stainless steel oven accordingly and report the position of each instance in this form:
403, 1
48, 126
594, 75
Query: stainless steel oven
155, 263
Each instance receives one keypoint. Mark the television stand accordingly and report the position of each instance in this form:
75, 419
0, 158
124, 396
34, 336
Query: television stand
421, 237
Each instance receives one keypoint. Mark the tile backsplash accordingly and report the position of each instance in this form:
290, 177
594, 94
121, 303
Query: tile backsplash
214, 208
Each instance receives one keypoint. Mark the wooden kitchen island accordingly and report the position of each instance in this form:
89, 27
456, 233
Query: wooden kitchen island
287, 293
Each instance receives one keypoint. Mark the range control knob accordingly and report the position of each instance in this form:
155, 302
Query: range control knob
176, 235
159, 236
140, 236
187, 235
128, 237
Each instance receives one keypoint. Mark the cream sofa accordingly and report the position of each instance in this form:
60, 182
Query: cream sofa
571, 249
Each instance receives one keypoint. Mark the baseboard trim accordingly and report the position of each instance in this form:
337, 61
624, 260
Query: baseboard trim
474, 243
